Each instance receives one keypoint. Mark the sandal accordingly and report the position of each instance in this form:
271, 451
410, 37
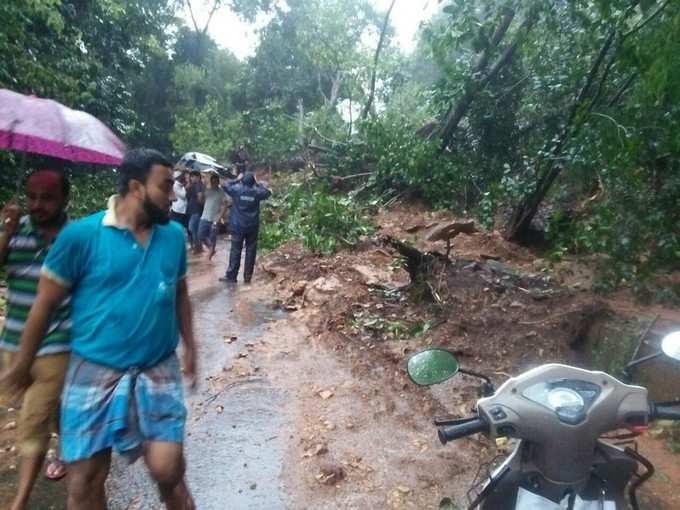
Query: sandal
55, 470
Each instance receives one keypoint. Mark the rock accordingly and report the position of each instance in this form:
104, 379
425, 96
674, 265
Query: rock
253, 486
321, 289
242, 355
447, 231
219, 409
381, 276
327, 285
403, 490
10, 425
230, 339
326, 394
330, 475
516, 304
299, 288
319, 449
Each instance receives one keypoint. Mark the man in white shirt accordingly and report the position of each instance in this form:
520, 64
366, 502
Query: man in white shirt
178, 211
214, 210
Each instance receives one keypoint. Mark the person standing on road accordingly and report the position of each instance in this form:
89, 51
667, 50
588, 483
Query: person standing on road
195, 199
244, 223
124, 270
215, 201
178, 211
24, 244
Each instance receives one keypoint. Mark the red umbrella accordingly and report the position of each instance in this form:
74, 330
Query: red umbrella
43, 126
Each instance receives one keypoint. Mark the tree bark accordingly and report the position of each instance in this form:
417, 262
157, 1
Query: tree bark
376, 58
458, 111
201, 33
520, 223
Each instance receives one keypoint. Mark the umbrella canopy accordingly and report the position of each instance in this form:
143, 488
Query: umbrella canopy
202, 162
43, 126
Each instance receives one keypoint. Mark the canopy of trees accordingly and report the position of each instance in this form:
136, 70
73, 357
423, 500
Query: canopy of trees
553, 115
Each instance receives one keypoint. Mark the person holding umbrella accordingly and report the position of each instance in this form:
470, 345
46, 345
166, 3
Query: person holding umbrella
35, 125
24, 245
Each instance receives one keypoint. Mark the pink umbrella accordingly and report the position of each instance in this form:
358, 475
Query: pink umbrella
43, 126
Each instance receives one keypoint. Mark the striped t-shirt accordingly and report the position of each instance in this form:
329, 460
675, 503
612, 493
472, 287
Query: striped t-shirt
26, 254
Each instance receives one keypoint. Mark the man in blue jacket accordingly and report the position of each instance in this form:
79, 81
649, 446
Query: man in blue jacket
244, 221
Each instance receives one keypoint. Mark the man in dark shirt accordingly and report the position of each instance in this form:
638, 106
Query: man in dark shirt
244, 222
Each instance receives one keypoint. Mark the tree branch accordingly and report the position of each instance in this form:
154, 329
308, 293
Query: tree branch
646, 21
193, 18
457, 112
617, 97
371, 96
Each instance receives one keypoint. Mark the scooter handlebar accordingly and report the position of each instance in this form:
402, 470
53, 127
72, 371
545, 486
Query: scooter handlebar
448, 433
665, 411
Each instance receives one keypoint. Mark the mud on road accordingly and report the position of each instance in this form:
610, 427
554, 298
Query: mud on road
304, 402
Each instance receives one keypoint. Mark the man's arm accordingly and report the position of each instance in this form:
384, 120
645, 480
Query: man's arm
231, 189
263, 193
224, 210
50, 295
186, 329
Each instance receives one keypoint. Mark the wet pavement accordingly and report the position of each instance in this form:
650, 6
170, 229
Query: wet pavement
235, 429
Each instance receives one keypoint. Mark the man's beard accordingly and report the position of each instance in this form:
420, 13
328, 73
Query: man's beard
56, 220
154, 214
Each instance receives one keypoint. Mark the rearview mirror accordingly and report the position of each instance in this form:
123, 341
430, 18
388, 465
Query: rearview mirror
432, 366
670, 345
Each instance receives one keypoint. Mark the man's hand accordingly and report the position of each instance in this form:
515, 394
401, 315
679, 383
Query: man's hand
11, 214
14, 381
189, 366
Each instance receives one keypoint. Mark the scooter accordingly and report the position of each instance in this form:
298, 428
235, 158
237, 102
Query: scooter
558, 414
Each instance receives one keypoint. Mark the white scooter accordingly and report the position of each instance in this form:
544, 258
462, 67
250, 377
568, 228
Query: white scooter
559, 414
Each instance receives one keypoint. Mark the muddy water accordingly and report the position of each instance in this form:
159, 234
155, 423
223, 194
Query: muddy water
235, 429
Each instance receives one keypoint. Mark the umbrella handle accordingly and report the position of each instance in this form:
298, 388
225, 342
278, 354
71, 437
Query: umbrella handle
21, 173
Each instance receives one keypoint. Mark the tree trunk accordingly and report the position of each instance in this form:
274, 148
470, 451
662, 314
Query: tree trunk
458, 111
371, 95
520, 224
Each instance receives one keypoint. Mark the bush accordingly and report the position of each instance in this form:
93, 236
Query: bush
322, 221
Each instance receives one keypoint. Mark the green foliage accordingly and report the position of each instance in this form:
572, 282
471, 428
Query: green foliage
614, 349
322, 221
90, 191
406, 163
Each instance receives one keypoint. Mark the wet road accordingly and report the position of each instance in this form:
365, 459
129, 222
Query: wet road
235, 429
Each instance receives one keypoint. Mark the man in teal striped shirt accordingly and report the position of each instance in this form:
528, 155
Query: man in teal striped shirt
24, 242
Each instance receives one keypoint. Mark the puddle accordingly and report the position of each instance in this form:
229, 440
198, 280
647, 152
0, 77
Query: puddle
235, 434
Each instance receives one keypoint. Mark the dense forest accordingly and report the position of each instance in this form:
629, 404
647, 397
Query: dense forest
554, 121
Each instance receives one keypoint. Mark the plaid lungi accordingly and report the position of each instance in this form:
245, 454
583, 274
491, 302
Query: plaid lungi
105, 408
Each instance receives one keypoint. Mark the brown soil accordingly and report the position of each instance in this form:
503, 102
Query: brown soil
365, 437
361, 434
